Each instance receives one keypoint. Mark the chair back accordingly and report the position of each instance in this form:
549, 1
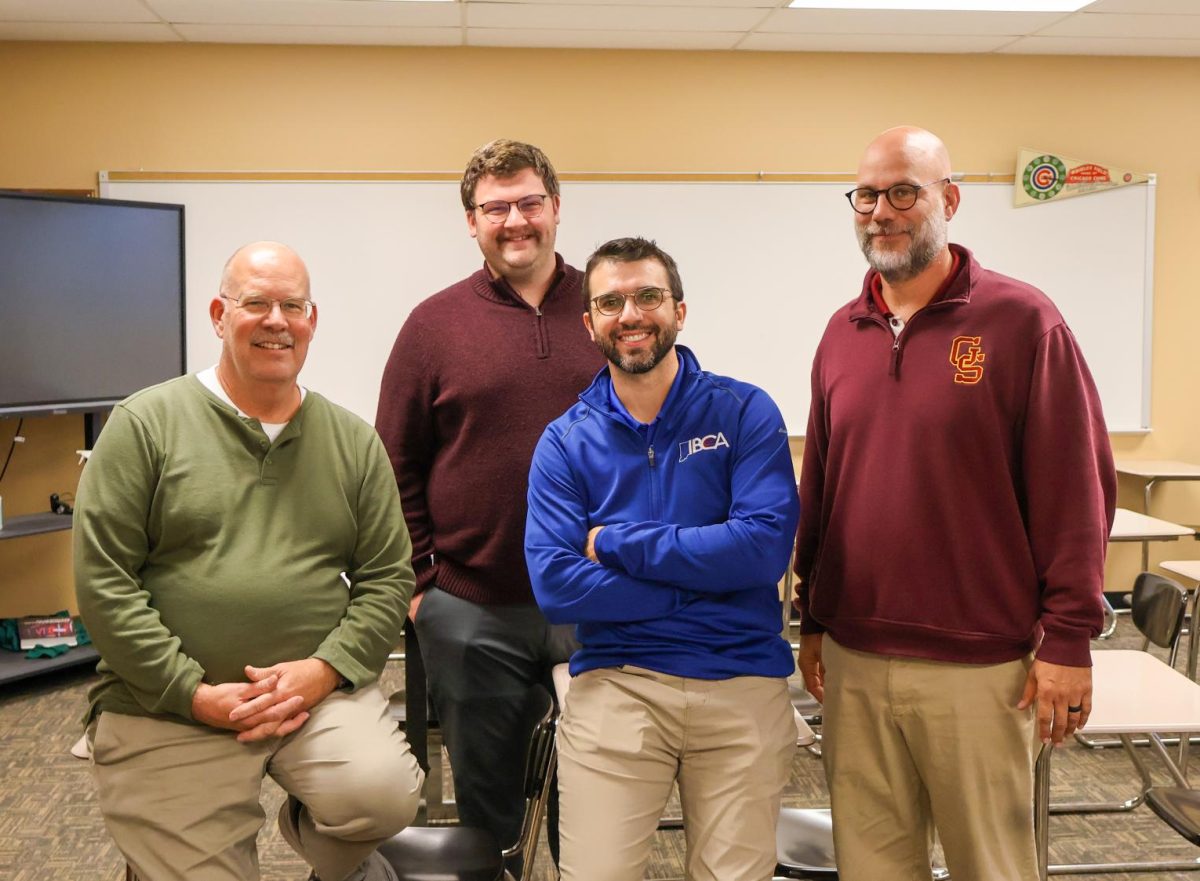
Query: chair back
1158, 608
540, 763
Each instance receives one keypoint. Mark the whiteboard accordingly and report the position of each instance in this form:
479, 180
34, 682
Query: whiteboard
764, 265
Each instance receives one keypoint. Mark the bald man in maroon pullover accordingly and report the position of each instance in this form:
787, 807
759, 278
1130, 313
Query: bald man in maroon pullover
956, 497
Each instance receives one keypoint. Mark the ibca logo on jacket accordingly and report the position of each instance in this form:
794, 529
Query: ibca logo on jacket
700, 444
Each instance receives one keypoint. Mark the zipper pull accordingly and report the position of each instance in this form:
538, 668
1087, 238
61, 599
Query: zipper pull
650, 456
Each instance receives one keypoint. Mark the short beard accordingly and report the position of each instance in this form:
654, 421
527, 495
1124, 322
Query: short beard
642, 362
927, 240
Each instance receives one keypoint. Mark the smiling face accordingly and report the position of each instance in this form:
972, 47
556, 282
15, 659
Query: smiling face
634, 341
900, 245
519, 248
262, 349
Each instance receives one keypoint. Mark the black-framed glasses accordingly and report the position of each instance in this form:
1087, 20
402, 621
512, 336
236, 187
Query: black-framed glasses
899, 196
294, 308
497, 210
646, 299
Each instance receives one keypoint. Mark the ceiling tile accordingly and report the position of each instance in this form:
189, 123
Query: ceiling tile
342, 13
74, 10
874, 43
91, 32
300, 35
615, 18
1089, 24
1146, 7
732, 4
874, 21
570, 39
1101, 46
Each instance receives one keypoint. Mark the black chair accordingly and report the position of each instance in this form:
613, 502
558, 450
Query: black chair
462, 853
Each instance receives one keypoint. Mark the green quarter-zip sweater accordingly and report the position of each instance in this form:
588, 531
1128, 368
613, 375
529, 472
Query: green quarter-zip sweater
201, 547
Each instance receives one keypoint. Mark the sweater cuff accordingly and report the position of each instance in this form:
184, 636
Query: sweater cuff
1065, 648
809, 625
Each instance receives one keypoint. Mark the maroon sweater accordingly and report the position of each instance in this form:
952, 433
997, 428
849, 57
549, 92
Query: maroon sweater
958, 484
475, 376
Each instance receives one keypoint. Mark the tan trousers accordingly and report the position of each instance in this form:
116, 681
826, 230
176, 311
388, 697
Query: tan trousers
182, 801
628, 733
912, 745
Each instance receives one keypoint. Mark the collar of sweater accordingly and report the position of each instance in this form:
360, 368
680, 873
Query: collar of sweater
956, 289
498, 290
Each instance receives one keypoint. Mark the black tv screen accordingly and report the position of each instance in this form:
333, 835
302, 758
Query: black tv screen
91, 301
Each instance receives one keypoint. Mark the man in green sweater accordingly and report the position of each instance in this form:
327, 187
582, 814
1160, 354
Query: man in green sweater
242, 565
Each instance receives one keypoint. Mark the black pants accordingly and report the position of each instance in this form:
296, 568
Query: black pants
481, 662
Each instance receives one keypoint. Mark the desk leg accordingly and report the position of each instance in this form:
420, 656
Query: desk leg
1110, 618
1041, 809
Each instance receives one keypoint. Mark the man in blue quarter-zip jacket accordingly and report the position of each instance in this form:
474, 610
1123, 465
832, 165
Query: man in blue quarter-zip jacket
661, 509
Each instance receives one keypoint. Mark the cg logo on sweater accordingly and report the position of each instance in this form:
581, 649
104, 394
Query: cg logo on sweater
699, 444
967, 356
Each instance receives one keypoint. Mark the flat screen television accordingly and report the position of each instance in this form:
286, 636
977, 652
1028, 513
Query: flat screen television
91, 301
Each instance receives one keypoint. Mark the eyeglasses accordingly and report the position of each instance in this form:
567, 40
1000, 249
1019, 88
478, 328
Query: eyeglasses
293, 308
899, 196
646, 299
497, 210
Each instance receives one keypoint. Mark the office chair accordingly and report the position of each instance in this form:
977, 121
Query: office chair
462, 853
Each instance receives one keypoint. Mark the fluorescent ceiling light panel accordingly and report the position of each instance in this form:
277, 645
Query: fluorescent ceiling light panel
946, 5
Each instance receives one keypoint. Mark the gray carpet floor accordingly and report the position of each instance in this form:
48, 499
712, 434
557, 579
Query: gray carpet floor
50, 827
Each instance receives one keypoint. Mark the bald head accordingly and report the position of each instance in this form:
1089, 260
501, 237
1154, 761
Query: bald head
909, 167
262, 258
915, 148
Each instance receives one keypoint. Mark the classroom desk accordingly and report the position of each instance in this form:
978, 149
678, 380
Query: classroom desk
1132, 526
1133, 693
1156, 471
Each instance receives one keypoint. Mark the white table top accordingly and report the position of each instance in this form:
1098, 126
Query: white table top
1136, 693
1158, 469
1186, 568
1132, 526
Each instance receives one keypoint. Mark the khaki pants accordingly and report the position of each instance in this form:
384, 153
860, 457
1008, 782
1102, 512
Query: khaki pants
182, 801
627, 734
912, 745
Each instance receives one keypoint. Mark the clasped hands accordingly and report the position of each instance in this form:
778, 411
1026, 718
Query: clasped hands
273, 703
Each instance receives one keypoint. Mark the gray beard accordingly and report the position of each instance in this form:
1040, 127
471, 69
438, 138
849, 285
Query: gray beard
926, 243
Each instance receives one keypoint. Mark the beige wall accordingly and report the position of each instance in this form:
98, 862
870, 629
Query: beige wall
69, 110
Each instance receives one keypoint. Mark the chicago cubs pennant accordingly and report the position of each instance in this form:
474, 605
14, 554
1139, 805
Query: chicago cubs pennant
1042, 177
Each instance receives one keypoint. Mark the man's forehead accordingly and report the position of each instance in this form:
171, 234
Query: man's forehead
498, 182
904, 157
647, 269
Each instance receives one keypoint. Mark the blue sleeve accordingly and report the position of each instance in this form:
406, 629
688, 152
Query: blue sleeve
570, 588
751, 548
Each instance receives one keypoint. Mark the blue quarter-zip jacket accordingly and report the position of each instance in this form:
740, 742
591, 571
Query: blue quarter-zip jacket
699, 510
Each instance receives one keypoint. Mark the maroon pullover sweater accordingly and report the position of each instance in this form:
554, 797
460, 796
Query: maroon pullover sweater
958, 484
475, 376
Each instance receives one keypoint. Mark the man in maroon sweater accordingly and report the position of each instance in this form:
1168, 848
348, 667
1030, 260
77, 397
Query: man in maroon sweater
957, 493
477, 372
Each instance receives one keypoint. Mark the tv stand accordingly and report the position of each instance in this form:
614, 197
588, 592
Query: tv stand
14, 666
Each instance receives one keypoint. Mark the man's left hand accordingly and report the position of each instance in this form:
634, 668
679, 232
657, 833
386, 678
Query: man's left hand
590, 549
1064, 699
311, 679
